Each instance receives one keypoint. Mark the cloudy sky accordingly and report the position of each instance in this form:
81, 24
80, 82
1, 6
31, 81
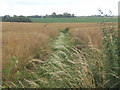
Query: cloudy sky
43, 7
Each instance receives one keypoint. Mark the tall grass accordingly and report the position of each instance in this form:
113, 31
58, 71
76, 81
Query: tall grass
67, 67
74, 62
22, 44
88, 34
111, 59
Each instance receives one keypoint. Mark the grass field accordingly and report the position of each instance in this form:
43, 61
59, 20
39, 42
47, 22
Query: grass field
55, 55
27, 41
73, 20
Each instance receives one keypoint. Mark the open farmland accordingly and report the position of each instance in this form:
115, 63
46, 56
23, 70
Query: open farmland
74, 20
29, 40
51, 55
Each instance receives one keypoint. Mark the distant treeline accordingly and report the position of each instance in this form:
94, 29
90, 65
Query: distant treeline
54, 15
64, 15
15, 18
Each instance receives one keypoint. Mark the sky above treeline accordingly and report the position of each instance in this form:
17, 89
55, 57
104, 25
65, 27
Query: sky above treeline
43, 7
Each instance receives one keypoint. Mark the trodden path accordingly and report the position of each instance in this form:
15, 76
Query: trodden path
65, 68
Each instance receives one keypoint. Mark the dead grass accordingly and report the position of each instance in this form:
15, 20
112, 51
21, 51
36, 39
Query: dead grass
25, 41
30, 40
89, 32
86, 34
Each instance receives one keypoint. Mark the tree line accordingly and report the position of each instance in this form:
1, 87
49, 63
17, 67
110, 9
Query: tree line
15, 18
54, 15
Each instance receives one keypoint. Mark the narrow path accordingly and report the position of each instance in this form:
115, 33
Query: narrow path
60, 48
61, 44
66, 68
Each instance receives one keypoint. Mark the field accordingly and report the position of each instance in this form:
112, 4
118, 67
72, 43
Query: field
19, 40
54, 55
74, 20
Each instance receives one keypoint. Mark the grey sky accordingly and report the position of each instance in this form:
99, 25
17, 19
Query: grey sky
42, 7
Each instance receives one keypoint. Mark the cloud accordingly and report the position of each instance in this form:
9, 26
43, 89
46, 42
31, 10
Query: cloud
38, 2
42, 7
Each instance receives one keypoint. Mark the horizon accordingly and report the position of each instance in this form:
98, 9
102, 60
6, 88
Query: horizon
62, 13
39, 7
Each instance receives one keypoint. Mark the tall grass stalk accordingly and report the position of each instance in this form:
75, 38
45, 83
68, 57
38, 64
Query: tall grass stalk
110, 49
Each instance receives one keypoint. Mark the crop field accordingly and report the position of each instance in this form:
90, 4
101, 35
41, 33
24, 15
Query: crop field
59, 54
74, 20
19, 40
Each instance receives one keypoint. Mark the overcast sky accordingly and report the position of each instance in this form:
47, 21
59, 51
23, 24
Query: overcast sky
43, 7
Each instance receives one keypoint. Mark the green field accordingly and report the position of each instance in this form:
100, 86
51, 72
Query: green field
74, 20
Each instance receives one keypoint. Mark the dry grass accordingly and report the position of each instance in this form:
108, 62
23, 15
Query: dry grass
67, 67
19, 39
30, 40
89, 32
25, 41
86, 34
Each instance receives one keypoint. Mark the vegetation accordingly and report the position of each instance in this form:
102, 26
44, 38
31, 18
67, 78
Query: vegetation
73, 58
111, 59
54, 15
73, 20
15, 18
59, 18
67, 66
23, 42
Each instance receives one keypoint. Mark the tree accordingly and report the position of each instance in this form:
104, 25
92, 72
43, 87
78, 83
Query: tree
53, 14
66, 14
73, 15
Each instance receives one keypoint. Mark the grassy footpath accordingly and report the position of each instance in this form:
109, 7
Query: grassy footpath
67, 67
73, 20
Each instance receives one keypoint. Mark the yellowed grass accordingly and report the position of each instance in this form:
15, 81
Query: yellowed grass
92, 35
89, 33
24, 40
